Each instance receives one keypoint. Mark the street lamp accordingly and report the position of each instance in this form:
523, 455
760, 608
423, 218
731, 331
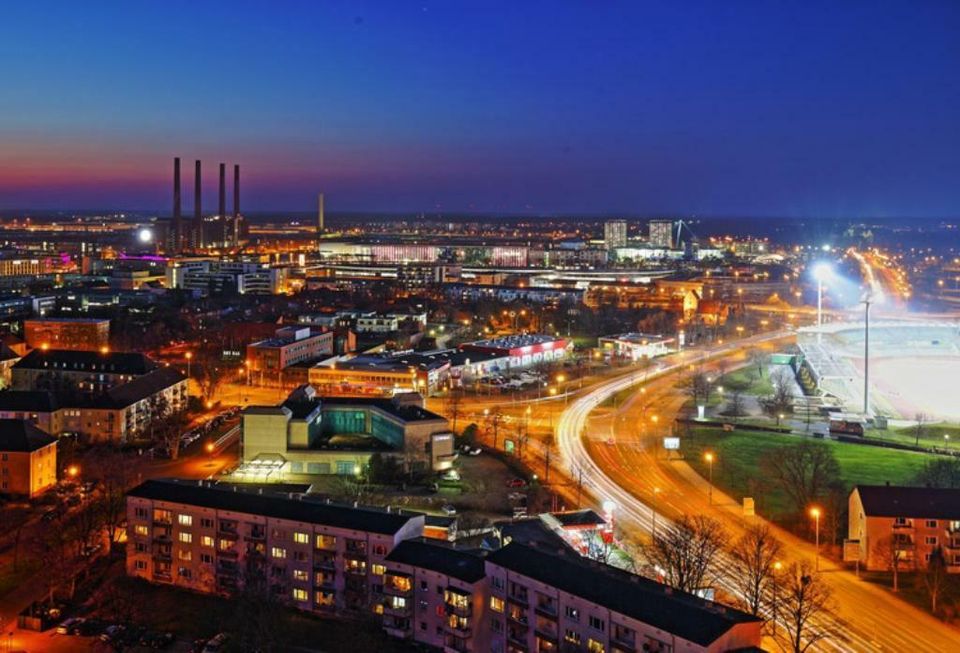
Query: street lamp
189, 357
815, 513
777, 566
709, 458
946, 440
73, 471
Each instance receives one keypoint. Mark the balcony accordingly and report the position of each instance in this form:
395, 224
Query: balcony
163, 575
327, 563
458, 629
546, 610
623, 644
392, 590
518, 639
256, 534
455, 645
458, 610
518, 617
405, 611
520, 598
231, 553
906, 526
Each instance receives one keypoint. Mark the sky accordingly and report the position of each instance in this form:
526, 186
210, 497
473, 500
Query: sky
756, 108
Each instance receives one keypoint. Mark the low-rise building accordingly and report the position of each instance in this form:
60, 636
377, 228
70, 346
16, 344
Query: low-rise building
81, 333
522, 351
311, 434
906, 523
290, 346
28, 459
219, 538
380, 375
635, 346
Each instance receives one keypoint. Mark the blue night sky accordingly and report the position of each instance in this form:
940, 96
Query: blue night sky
835, 108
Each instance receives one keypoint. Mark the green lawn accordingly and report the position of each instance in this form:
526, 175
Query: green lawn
751, 379
738, 455
931, 435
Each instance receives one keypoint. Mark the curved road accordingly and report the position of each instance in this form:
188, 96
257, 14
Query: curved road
626, 471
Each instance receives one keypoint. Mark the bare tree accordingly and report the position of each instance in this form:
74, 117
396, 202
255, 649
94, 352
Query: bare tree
757, 357
806, 603
804, 471
894, 550
697, 386
735, 402
935, 577
494, 419
919, 428
753, 557
454, 402
685, 552
781, 400
578, 472
548, 443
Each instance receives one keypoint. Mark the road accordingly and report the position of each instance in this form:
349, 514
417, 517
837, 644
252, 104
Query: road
628, 470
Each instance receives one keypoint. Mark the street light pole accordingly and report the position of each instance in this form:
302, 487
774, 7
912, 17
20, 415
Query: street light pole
866, 355
815, 512
709, 458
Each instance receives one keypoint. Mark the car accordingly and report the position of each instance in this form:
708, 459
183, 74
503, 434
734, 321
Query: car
112, 633
476, 451
465, 448
516, 482
451, 475
216, 644
517, 496
448, 509
69, 626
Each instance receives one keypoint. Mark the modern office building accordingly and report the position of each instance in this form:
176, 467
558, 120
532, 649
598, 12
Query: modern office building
522, 350
614, 234
214, 277
912, 522
28, 459
661, 233
311, 434
218, 538
80, 333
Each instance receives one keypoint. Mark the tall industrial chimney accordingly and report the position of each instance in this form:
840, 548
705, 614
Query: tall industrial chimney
223, 226
320, 214
197, 212
236, 205
176, 237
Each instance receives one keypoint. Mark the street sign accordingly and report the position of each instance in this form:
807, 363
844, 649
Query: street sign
851, 550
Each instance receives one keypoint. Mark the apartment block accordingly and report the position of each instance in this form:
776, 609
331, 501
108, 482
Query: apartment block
433, 595
79, 333
217, 538
913, 521
28, 459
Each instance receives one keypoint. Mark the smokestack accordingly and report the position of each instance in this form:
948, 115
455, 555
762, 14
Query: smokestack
236, 204
176, 238
197, 212
223, 191
319, 214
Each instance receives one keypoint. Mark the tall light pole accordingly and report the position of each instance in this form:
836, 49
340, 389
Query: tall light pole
821, 272
709, 458
776, 573
815, 513
866, 301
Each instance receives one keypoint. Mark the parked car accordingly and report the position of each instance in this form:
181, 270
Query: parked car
516, 482
448, 510
476, 451
68, 626
216, 644
112, 633
451, 475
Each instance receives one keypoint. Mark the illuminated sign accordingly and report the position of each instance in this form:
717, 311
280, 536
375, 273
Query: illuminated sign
671, 444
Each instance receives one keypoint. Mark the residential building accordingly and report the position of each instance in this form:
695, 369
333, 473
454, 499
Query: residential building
290, 346
116, 415
312, 434
545, 601
907, 522
82, 333
661, 233
218, 538
28, 459
78, 371
614, 234
434, 595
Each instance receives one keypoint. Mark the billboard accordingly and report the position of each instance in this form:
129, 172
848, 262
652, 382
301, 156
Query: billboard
671, 444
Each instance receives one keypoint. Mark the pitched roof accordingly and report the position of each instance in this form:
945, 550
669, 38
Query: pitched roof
467, 567
28, 401
17, 435
237, 498
910, 502
685, 615
120, 362
144, 386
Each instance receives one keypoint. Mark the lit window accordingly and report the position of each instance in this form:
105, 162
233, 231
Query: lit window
496, 604
185, 520
301, 538
140, 529
300, 574
299, 594
277, 552
378, 570
594, 646
186, 538
572, 636
206, 540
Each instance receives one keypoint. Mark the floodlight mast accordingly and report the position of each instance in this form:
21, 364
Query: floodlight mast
821, 272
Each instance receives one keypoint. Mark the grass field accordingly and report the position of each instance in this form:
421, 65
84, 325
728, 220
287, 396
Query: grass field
931, 435
749, 377
737, 469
